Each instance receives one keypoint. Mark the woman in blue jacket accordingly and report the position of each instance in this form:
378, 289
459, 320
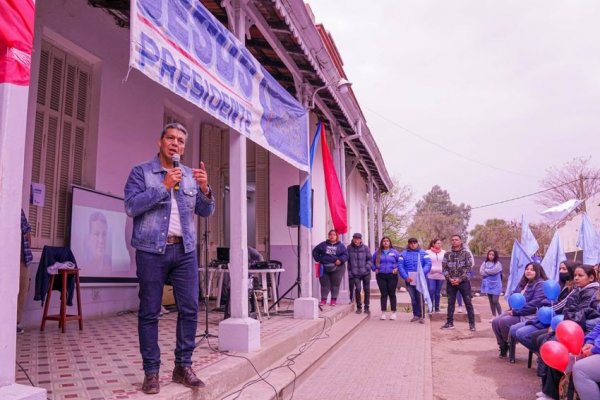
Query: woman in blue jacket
407, 265
332, 255
532, 287
385, 265
491, 281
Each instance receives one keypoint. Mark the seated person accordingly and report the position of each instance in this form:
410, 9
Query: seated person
580, 307
586, 371
526, 334
531, 286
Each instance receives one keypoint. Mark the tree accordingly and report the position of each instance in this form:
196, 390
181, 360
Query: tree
543, 234
576, 179
500, 235
394, 211
495, 234
437, 217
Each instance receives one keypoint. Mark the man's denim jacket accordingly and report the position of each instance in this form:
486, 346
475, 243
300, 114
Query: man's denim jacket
149, 203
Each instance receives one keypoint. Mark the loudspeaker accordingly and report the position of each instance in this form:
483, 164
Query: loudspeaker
293, 206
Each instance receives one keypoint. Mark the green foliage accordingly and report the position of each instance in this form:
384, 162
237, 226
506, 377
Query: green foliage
394, 211
495, 234
500, 235
437, 217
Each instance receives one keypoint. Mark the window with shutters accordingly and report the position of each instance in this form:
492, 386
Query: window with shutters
61, 127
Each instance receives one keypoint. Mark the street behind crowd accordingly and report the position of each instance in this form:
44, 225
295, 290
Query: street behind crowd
403, 360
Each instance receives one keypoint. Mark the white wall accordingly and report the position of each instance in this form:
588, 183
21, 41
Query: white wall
358, 208
569, 232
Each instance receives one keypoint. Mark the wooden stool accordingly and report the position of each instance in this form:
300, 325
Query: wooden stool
63, 317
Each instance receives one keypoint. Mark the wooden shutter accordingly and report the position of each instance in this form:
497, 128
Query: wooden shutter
61, 125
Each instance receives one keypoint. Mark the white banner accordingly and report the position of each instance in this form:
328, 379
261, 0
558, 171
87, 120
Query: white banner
182, 46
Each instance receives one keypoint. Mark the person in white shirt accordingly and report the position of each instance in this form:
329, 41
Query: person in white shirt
435, 277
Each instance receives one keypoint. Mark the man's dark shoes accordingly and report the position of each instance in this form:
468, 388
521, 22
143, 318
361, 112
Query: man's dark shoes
472, 327
448, 325
187, 377
151, 385
358, 310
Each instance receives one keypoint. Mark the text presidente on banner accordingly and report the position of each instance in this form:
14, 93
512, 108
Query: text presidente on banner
196, 31
193, 29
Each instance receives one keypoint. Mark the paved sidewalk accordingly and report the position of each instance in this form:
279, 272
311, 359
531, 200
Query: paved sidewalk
381, 360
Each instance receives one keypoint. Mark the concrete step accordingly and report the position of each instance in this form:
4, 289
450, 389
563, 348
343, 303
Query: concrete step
291, 370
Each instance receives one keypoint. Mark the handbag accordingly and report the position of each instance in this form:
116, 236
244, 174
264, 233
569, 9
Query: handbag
566, 388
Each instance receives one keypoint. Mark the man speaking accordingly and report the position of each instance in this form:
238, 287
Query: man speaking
162, 197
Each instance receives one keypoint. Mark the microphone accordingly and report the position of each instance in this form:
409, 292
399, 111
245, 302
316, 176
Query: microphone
176, 158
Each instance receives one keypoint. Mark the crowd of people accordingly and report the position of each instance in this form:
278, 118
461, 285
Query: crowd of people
391, 264
578, 300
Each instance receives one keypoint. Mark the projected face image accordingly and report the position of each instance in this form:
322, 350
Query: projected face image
97, 246
98, 233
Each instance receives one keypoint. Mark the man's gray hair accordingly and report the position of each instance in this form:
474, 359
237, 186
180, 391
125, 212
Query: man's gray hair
173, 125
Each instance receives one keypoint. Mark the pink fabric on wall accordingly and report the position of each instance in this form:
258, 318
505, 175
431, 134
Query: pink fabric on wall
335, 197
16, 40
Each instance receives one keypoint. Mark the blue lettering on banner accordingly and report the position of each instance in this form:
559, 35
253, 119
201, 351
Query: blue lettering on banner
202, 45
280, 121
181, 45
152, 9
148, 51
177, 23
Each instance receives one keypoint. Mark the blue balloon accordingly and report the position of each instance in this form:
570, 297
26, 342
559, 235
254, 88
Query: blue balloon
516, 301
545, 315
551, 290
556, 320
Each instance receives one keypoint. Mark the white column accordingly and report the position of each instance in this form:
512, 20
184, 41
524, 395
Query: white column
238, 333
13, 119
305, 305
372, 244
344, 295
371, 215
379, 217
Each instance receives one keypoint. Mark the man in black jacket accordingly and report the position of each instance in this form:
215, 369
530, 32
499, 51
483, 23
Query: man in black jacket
456, 266
359, 270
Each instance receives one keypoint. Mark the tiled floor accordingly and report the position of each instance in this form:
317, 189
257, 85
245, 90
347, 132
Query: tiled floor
103, 360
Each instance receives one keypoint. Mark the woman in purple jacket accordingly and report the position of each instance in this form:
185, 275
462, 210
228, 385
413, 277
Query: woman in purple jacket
532, 287
385, 265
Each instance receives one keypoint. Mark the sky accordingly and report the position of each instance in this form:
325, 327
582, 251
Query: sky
512, 85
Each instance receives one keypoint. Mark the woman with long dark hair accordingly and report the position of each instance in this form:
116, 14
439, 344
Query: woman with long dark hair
385, 264
531, 286
491, 281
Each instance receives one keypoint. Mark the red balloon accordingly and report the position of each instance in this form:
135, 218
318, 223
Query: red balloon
571, 335
555, 355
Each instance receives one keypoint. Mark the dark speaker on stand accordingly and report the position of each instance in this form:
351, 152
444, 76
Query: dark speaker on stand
293, 206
